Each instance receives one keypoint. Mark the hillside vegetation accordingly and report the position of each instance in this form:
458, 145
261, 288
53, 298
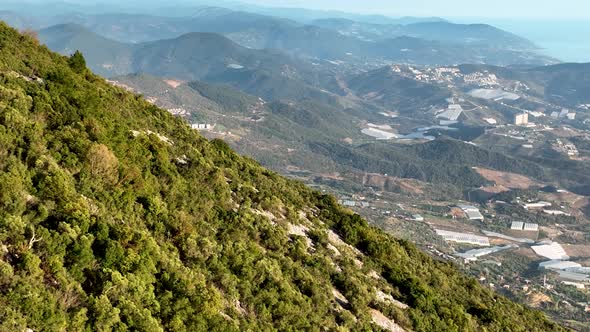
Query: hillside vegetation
115, 216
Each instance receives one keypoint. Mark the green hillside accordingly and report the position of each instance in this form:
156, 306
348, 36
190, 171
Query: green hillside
568, 84
115, 216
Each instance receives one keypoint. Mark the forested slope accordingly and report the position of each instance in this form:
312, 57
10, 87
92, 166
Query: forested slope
114, 215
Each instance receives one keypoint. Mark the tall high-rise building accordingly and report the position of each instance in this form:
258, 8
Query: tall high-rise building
521, 119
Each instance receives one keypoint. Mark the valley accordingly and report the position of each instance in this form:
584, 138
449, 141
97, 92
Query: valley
460, 157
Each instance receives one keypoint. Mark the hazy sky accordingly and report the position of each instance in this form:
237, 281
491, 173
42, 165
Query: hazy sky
448, 8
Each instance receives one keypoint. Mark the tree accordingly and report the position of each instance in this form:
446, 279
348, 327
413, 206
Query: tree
32, 34
77, 62
103, 164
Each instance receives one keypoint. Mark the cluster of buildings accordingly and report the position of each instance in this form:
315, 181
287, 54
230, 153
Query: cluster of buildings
354, 202
569, 273
545, 207
447, 74
481, 78
151, 100
521, 226
178, 111
440, 71
565, 147
121, 85
564, 114
557, 260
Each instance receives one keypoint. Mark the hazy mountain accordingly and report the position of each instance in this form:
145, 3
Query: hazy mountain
18, 21
309, 15
468, 34
108, 57
332, 39
260, 33
196, 56
189, 56
478, 34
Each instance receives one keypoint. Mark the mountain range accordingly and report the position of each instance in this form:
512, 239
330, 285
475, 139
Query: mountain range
427, 42
202, 56
212, 57
115, 215
442, 31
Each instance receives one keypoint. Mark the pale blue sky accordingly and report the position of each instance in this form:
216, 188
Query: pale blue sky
448, 8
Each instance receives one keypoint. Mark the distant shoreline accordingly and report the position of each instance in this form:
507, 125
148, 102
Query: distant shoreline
565, 51
565, 40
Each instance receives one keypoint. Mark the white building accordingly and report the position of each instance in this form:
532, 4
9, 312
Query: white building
579, 269
577, 280
564, 112
474, 254
521, 119
178, 111
521, 226
463, 238
379, 134
553, 251
452, 113
574, 276
537, 205
472, 212
558, 265
555, 213
536, 114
